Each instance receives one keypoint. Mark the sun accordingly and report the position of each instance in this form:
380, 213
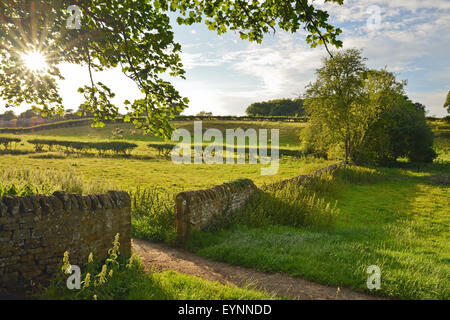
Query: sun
35, 61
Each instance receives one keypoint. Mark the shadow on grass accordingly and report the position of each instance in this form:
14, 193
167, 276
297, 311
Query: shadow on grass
398, 225
437, 166
14, 152
87, 155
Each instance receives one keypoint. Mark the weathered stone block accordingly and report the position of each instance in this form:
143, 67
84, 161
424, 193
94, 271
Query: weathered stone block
35, 231
3, 209
13, 204
26, 205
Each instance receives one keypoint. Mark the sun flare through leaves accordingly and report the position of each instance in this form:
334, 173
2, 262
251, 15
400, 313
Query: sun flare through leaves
35, 61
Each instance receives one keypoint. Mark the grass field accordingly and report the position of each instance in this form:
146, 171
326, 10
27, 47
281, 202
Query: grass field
400, 222
145, 168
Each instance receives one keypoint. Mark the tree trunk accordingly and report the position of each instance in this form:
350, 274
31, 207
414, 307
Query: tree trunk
347, 147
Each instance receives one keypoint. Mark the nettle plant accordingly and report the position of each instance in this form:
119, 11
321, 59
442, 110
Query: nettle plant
37, 36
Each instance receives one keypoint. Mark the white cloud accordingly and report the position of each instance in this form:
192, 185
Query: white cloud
433, 100
413, 41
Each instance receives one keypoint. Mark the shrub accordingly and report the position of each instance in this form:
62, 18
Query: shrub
163, 149
117, 278
402, 131
294, 204
115, 147
7, 142
153, 216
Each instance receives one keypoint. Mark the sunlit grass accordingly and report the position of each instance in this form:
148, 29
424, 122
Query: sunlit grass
399, 223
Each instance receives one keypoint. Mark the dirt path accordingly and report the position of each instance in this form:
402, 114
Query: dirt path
161, 257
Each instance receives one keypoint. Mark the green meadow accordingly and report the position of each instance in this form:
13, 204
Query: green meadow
396, 218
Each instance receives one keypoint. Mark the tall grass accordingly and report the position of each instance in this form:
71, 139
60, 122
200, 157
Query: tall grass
22, 182
358, 175
399, 224
153, 216
294, 204
291, 205
118, 278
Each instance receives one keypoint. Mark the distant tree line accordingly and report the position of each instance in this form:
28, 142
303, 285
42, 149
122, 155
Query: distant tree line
279, 107
205, 114
69, 114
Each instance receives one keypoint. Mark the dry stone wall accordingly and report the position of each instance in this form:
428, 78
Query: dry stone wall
196, 209
304, 177
35, 231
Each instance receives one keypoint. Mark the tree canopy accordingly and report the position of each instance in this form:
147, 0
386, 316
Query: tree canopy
280, 107
135, 36
29, 114
205, 113
447, 102
347, 99
401, 131
8, 116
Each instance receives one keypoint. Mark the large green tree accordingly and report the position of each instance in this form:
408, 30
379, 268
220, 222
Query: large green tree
135, 36
347, 99
447, 102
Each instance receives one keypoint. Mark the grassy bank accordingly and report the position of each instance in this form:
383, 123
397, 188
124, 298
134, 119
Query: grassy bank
399, 222
125, 279
329, 232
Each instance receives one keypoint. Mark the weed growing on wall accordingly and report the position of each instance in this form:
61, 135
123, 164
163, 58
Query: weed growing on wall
116, 278
101, 148
99, 280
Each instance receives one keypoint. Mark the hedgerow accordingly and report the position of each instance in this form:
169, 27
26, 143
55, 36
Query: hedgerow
7, 142
77, 146
162, 148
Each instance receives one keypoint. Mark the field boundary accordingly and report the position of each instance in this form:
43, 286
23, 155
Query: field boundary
196, 209
87, 121
36, 231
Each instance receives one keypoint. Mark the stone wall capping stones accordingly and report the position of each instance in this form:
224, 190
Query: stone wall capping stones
195, 209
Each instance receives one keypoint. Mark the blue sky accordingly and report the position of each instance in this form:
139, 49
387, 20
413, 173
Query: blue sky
225, 74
